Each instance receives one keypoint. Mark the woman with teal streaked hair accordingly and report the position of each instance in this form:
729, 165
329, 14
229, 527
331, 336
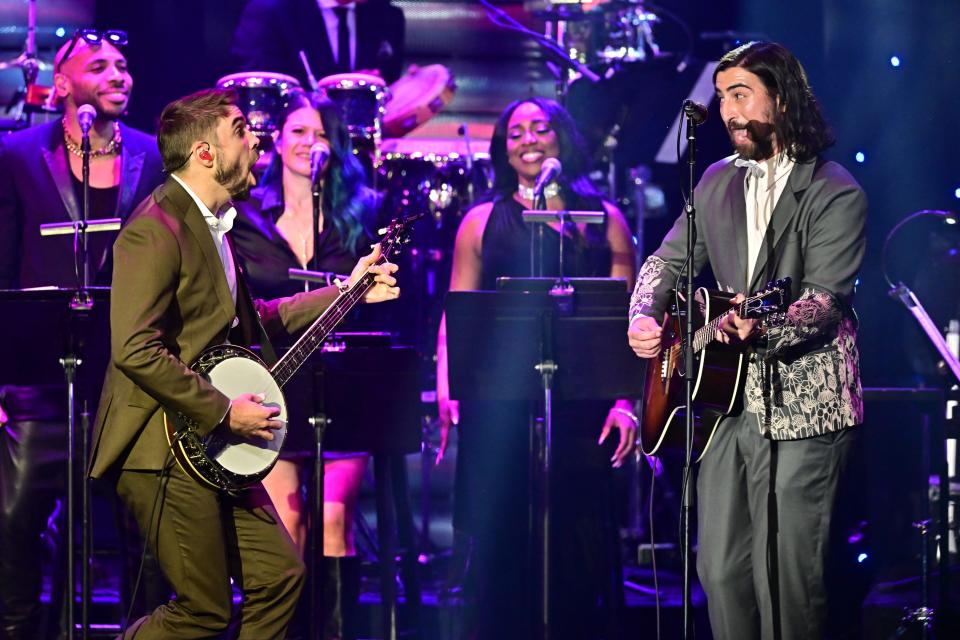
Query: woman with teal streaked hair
273, 232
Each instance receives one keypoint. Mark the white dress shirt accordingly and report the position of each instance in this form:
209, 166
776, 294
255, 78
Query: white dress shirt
219, 226
332, 22
762, 187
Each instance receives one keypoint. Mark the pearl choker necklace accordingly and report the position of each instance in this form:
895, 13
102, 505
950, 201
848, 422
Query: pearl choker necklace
552, 190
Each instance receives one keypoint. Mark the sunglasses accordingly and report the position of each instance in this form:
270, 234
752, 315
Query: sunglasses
93, 37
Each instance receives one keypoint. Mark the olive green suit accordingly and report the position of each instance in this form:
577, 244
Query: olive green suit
170, 301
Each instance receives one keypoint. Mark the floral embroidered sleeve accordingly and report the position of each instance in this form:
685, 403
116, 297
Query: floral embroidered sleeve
659, 271
641, 302
814, 314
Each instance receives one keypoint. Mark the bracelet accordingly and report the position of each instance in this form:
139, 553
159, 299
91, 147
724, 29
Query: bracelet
636, 420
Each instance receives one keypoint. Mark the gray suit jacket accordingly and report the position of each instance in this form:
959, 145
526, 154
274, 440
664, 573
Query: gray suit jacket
804, 379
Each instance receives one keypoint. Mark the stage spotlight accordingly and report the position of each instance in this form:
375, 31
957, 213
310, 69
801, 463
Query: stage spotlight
60, 32
895, 61
860, 157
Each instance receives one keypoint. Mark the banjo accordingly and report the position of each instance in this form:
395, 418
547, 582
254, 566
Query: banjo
224, 460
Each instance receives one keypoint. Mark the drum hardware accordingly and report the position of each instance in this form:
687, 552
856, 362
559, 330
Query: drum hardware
360, 99
262, 96
551, 42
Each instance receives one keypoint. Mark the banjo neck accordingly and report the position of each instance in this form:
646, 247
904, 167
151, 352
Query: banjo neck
314, 336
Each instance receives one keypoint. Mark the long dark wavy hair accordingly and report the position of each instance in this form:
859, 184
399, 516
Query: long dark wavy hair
799, 125
575, 185
347, 200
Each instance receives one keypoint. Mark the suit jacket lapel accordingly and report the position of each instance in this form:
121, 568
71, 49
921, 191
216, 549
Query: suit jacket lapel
787, 207
737, 205
201, 233
131, 166
56, 161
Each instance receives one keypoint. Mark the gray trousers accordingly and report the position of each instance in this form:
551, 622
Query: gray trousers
766, 510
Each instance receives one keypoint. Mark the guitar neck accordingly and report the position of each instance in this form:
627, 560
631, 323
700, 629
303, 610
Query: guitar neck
314, 336
706, 334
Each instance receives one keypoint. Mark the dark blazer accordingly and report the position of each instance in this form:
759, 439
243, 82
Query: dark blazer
176, 303
36, 188
271, 33
804, 380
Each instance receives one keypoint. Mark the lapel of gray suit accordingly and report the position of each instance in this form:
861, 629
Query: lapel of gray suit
736, 203
131, 166
201, 233
787, 207
56, 161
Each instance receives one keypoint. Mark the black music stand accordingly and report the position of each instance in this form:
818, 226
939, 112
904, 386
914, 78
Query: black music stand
335, 391
527, 344
46, 337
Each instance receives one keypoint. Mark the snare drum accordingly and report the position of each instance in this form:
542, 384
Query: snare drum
417, 97
359, 98
262, 96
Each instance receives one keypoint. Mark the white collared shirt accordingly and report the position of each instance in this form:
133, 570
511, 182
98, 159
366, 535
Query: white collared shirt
218, 229
762, 192
332, 23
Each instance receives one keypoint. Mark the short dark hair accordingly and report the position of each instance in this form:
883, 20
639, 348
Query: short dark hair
188, 119
574, 182
799, 125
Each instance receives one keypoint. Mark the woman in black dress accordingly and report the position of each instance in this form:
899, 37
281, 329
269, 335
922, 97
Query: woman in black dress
491, 485
274, 232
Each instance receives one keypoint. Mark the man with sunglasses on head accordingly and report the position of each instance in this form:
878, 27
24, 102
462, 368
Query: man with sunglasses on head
40, 182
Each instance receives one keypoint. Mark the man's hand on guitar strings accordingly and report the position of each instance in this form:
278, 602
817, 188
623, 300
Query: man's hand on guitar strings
645, 336
735, 330
248, 418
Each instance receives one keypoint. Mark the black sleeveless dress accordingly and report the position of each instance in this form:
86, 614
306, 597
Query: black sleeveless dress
492, 503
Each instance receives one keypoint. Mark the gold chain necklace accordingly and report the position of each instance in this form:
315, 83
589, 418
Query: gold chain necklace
110, 148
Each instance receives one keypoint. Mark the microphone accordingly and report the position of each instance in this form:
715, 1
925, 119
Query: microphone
695, 111
550, 170
319, 153
85, 116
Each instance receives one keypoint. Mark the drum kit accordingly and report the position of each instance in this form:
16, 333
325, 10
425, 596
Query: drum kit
376, 116
413, 175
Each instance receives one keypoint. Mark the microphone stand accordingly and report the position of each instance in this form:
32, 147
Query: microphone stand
688, 370
82, 304
536, 240
318, 583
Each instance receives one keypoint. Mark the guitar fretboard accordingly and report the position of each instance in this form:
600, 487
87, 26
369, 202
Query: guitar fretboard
314, 336
708, 332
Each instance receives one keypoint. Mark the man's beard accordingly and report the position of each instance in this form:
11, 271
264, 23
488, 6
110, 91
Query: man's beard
235, 179
761, 138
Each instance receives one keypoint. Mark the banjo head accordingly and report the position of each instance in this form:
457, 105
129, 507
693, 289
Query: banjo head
242, 456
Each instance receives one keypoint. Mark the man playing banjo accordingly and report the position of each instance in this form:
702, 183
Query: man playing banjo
176, 291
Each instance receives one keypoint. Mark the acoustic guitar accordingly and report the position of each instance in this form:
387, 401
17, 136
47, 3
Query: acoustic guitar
719, 369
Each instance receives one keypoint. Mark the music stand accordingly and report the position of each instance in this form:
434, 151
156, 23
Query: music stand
333, 392
47, 336
525, 344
